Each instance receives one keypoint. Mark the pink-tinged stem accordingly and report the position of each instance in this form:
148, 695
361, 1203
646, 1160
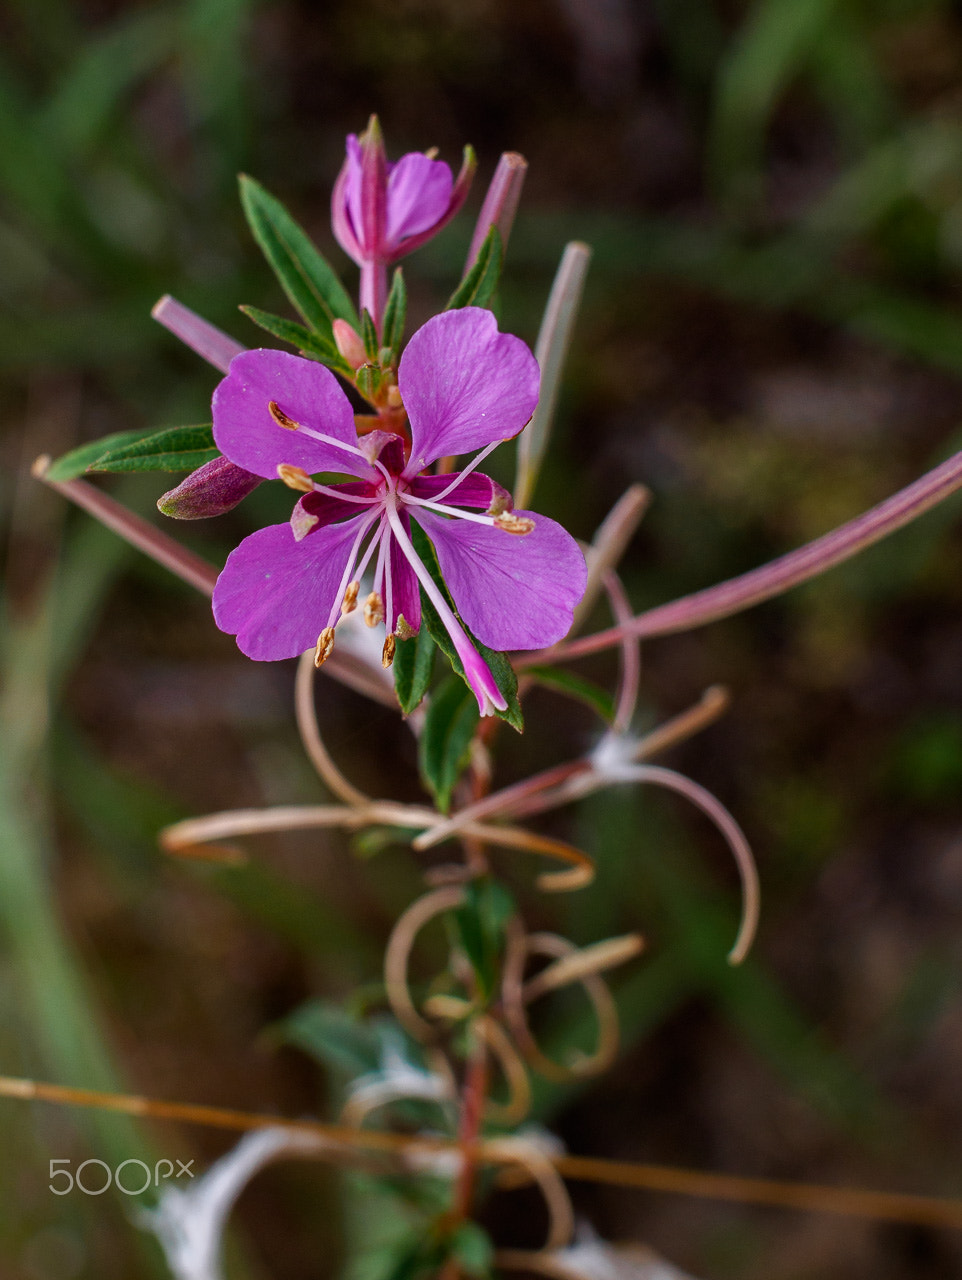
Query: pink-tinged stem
779, 575
374, 290
630, 655
134, 529
500, 203
554, 338
729, 829
206, 339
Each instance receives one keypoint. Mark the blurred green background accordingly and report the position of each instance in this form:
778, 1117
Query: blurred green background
771, 340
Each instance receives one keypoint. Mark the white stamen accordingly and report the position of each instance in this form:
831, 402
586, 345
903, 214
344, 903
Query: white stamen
348, 575
345, 497
475, 462
371, 548
433, 505
462, 644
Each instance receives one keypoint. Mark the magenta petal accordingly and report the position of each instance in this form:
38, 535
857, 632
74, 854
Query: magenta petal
341, 223
514, 591
464, 385
276, 594
405, 593
418, 195
475, 490
307, 393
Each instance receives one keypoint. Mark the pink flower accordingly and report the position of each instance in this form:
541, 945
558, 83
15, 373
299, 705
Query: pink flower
515, 577
382, 211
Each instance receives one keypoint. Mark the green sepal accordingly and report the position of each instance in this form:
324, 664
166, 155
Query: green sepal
299, 336
172, 449
586, 691
413, 664
369, 337
500, 667
304, 273
368, 381
395, 314
444, 747
478, 286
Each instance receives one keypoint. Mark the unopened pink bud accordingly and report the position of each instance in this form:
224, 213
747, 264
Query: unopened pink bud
349, 343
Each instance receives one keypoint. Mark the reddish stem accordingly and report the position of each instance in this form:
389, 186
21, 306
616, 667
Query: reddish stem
777, 576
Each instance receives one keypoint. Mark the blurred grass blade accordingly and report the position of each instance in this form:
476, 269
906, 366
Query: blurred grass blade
770, 48
103, 71
554, 339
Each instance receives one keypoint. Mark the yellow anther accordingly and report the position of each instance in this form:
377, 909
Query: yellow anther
511, 523
387, 653
373, 609
325, 643
281, 418
349, 603
295, 478
404, 630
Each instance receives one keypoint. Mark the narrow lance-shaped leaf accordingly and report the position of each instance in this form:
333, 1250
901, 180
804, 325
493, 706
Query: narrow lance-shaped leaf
445, 743
413, 663
83, 459
172, 449
478, 286
304, 339
480, 923
304, 273
586, 691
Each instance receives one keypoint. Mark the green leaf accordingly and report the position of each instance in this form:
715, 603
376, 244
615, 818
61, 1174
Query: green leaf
333, 1037
172, 449
478, 286
472, 1247
445, 742
501, 668
304, 339
480, 923
78, 461
304, 273
395, 313
413, 663
586, 691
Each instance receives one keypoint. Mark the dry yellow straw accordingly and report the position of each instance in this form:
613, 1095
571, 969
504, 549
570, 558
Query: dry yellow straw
880, 1205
